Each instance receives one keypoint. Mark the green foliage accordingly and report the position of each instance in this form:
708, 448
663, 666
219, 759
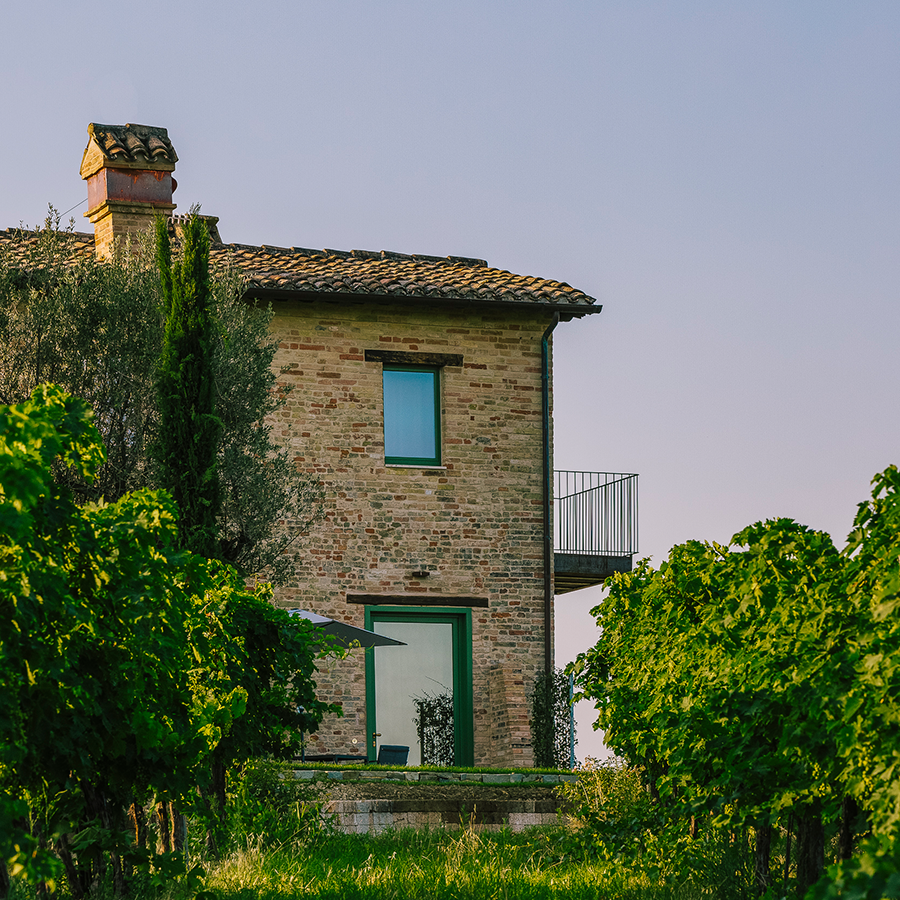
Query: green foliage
434, 726
270, 808
874, 874
551, 721
91, 623
609, 803
127, 666
612, 818
867, 729
97, 328
761, 681
266, 503
254, 674
187, 447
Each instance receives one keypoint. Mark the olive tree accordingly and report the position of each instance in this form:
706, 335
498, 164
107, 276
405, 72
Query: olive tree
97, 329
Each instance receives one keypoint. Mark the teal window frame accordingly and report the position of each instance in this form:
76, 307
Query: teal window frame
396, 460
463, 705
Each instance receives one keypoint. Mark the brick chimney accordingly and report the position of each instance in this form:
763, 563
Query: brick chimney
128, 169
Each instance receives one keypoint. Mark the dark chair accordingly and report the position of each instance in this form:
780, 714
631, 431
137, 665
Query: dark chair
392, 755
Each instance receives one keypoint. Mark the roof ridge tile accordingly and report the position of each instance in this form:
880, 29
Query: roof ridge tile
469, 261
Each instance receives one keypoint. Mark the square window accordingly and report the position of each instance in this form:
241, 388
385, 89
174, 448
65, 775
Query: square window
412, 417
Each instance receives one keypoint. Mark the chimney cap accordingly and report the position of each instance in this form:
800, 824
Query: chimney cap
127, 147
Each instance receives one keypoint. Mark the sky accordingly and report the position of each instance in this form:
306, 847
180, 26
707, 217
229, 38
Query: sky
721, 176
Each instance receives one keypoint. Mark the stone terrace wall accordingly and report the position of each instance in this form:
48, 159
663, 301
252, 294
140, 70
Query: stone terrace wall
474, 524
375, 816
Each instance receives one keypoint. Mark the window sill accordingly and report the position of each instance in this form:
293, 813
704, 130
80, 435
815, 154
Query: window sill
412, 466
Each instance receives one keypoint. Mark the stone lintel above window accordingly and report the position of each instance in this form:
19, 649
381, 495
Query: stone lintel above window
411, 358
416, 600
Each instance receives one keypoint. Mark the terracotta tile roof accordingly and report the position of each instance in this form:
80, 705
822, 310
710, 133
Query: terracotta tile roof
133, 143
11, 241
280, 273
385, 274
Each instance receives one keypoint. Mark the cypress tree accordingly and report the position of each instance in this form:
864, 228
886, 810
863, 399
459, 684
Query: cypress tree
190, 431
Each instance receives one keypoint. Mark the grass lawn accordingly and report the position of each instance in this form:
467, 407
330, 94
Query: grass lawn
460, 865
282, 848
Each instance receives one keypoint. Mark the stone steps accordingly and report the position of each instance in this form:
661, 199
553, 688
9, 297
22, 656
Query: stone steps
374, 815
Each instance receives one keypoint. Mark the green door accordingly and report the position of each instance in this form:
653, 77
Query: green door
437, 660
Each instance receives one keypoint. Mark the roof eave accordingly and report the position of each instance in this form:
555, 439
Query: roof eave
566, 311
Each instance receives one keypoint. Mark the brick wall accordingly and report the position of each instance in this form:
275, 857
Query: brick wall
509, 716
474, 525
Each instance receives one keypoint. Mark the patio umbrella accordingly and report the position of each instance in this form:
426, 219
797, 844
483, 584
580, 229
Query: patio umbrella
346, 635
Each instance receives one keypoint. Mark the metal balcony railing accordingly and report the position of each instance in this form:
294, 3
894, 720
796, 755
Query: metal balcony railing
595, 513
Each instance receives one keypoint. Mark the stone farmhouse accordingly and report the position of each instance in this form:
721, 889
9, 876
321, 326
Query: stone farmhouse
422, 401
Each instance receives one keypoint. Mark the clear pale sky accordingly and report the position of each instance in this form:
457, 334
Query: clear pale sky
722, 176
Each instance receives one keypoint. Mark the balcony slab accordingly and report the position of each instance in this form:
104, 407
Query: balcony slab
573, 571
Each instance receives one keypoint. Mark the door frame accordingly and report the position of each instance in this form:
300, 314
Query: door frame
463, 708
